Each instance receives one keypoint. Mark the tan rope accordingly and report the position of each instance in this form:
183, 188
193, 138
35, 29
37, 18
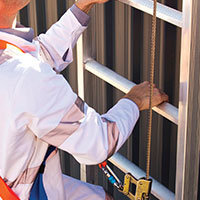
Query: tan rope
153, 46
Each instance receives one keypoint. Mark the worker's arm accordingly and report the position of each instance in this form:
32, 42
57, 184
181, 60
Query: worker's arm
57, 116
60, 39
92, 138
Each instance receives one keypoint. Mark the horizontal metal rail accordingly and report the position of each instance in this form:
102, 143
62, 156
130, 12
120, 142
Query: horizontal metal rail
166, 110
163, 12
158, 190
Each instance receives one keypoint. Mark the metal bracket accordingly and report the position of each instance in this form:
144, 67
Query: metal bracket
143, 187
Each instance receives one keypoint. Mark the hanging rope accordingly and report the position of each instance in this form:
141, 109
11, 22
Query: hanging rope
153, 46
143, 186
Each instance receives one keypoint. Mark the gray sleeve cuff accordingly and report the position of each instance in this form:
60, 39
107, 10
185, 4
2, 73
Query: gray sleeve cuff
81, 16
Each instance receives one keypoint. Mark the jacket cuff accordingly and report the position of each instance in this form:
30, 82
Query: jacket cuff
81, 16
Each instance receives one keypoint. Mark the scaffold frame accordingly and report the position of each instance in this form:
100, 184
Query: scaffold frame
179, 116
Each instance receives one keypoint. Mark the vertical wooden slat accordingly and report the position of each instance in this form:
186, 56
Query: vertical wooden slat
100, 45
157, 134
175, 101
72, 69
41, 16
120, 34
33, 16
51, 12
70, 74
95, 47
121, 61
22, 16
128, 62
136, 52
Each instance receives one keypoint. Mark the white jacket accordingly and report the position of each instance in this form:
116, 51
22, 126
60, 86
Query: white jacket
38, 108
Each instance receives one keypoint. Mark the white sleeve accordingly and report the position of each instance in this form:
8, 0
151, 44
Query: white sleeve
46, 103
99, 136
60, 39
125, 113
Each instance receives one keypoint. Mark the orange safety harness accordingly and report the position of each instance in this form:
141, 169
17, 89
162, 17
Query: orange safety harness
6, 192
8, 45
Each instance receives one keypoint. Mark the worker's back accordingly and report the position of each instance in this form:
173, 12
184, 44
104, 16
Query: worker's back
21, 151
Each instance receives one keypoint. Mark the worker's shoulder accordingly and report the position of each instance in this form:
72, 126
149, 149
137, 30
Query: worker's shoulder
7, 54
19, 62
23, 70
11, 57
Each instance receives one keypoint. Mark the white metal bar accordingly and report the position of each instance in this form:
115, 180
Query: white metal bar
80, 78
163, 12
166, 110
183, 98
158, 190
80, 67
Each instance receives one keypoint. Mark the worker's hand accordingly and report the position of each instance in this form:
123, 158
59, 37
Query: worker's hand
140, 94
86, 5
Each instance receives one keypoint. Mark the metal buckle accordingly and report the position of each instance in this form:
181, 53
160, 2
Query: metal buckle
143, 187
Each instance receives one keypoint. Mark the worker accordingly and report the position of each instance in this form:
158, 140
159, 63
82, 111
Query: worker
39, 109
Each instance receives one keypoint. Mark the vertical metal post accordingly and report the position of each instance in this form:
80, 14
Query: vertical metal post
183, 99
80, 77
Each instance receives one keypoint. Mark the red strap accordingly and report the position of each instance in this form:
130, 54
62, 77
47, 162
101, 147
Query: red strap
5, 45
6, 193
103, 164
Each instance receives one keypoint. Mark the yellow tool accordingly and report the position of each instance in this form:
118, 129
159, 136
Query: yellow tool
133, 188
142, 187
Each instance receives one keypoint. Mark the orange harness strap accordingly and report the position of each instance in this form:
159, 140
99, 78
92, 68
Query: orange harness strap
6, 193
5, 45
